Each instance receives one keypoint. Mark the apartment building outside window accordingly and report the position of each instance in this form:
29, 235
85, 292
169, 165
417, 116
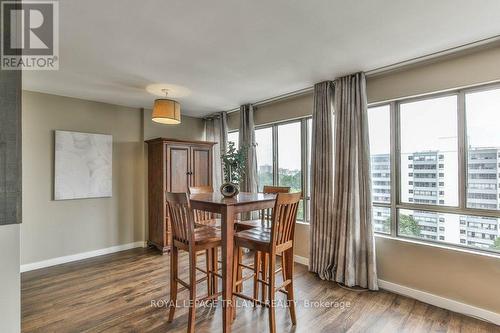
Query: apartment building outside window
444, 160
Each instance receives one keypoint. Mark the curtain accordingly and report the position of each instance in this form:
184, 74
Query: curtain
247, 139
321, 235
342, 246
353, 243
216, 131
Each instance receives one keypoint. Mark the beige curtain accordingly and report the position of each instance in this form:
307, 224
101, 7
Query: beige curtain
353, 244
322, 225
216, 131
342, 244
247, 139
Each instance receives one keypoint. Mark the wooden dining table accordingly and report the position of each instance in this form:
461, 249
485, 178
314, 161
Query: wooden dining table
228, 208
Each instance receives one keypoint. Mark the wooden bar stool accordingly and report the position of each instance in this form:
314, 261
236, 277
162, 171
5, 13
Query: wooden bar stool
259, 258
203, 218
279, 239
187, 238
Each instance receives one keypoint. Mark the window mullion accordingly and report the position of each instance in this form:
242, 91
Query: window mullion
395, 158
275, 155
462, 152
303, 159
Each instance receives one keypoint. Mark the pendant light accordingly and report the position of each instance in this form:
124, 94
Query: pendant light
166, 111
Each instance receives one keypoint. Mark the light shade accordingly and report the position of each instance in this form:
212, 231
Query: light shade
166, 111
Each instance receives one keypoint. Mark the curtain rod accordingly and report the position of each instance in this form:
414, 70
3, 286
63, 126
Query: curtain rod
385, 69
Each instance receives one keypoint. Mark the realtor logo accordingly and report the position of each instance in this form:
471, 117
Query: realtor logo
30, 35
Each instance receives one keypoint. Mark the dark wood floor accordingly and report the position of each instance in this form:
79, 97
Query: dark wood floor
114, 293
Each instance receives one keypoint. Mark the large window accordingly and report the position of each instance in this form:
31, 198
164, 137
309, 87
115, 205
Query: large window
264, 141
445, 184
284, 158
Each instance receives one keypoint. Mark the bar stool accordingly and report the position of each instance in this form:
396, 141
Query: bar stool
187, 238
261, 260
203, 218
278, 239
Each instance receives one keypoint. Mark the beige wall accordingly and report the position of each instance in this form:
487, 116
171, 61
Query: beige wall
472, 68
465, 277
10, 282
189, 129
53, 229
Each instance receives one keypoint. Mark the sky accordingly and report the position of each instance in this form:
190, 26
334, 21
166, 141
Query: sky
432, 123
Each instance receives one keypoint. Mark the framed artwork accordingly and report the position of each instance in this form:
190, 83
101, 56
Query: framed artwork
83, 165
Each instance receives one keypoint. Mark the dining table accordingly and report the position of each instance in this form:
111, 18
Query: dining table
229, 208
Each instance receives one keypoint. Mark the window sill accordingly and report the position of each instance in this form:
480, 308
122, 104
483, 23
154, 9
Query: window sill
302, 223
440, 246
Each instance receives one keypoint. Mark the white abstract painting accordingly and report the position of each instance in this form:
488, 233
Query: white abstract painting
83, 165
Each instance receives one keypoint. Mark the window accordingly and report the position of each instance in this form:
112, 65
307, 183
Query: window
429, 130
264, 141
443, 195
380, 150
483, 117
290, 156
234, 137
290, 159
284, 158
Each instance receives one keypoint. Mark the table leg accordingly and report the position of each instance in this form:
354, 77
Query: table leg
227, 225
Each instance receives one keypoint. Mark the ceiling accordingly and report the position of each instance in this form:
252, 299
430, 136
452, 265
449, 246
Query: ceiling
228, 52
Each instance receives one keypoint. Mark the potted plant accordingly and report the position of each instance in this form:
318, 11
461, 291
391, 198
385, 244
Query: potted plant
233, 163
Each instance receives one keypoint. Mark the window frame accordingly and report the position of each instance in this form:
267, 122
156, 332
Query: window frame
397, 204
304, 147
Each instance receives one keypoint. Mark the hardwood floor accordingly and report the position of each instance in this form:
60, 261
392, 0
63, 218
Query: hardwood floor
118, 293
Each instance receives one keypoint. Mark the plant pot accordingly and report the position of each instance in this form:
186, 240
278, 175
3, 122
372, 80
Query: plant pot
229, 190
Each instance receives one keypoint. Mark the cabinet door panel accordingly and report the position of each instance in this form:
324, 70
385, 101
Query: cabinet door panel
201, 167
179, 168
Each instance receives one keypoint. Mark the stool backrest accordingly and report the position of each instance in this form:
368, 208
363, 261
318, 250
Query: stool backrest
181, 217
266, 214
284, 218
201, 189
276, 189
200, 215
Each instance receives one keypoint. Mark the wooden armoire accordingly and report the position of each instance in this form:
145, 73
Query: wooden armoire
173, 166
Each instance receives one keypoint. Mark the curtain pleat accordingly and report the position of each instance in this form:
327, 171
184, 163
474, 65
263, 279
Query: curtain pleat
247, 140
216, 131
321, 244
353, 245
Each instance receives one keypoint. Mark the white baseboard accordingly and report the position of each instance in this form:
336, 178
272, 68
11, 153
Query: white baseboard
301, 260
429, 298
441, 302
79, 256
